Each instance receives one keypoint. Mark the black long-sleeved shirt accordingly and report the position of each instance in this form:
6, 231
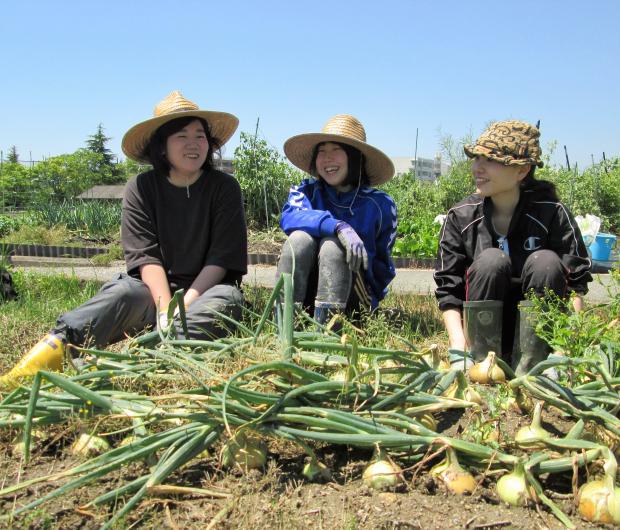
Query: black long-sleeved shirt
538, 222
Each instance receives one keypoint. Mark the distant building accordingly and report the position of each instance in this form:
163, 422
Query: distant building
106, 193
115, 192
424, 168
225, 165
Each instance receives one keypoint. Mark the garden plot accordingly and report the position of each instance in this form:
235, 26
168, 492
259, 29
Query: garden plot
277, 426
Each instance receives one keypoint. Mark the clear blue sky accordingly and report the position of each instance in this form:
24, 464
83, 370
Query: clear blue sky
444, 67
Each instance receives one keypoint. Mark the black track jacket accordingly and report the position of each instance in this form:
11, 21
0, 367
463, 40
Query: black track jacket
539, 222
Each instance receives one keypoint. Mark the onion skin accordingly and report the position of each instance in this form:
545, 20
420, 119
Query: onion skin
599, 501
487, 372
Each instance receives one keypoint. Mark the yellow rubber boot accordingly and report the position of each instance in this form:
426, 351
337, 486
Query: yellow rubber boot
47, 354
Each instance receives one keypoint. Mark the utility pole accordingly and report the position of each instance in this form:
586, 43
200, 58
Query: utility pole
415, 155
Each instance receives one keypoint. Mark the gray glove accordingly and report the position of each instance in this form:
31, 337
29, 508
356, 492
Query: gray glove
354, 246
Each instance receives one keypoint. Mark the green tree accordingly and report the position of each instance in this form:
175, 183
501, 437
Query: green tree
15, 185
66, 176
106, 171
265, 178
12, 156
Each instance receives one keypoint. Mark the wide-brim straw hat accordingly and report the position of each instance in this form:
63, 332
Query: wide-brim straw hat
344, 129
222, 125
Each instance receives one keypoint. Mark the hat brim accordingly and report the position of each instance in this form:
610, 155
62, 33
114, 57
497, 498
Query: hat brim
473, 151
298, 149
222, 126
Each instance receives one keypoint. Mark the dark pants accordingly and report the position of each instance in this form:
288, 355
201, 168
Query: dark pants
321, 274
490, 278
124, 306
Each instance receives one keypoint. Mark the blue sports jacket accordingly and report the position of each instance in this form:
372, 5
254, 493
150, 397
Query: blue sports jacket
316, 208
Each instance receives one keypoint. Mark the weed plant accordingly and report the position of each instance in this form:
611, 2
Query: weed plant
592, 333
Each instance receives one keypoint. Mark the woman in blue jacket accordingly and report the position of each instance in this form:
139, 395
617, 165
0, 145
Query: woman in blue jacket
340, 229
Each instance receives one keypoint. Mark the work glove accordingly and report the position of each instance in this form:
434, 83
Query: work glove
162, 321
354, 246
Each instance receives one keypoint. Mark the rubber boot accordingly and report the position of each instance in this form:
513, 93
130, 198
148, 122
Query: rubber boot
482, 323
47, 354
324, 313
529, 349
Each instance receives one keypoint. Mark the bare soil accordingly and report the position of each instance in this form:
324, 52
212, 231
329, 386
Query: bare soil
281, 498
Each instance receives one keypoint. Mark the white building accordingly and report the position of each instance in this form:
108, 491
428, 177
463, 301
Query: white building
427, 168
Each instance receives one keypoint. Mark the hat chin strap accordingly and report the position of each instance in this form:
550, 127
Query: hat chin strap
357, 190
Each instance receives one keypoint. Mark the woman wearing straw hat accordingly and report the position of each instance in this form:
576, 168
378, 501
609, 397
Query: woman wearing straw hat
183, 227
340, 228
512, 237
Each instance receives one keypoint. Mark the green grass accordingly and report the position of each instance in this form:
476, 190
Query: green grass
43, 297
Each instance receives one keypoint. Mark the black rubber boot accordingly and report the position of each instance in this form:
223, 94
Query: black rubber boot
482, 323
529, 349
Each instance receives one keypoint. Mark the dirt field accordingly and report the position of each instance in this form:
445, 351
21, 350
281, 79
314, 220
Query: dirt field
280, 497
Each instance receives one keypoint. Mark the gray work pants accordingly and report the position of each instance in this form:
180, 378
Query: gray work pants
304, 256
490, 278
124, 306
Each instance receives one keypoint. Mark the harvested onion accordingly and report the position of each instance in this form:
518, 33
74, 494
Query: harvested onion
513, 488
89, 445
453, 476
382, 473
533, 436
244, 451
487, 372
316, 471
599, 500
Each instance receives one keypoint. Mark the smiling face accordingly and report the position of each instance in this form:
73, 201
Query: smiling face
332, 163
494, 179
186, 151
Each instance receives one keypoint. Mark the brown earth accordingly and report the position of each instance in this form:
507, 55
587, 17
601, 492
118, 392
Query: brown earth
281, 498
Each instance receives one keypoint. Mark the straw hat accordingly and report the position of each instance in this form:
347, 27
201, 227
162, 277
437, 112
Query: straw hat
174, 105
344, 129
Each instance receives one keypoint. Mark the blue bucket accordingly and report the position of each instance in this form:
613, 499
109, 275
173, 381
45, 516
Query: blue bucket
602, 246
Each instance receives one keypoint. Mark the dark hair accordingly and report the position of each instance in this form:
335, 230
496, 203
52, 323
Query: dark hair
356, 165
544, 187
156, 148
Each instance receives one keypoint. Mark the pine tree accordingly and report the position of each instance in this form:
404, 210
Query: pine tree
97, 144
107, 171
12, 156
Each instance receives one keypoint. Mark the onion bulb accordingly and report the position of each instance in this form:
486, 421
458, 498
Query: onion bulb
435, 359
453, 476
382, 473
487, 372
316, 471
247, 452
470, 394
599, 500
89, 445
513, 488
533, 436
